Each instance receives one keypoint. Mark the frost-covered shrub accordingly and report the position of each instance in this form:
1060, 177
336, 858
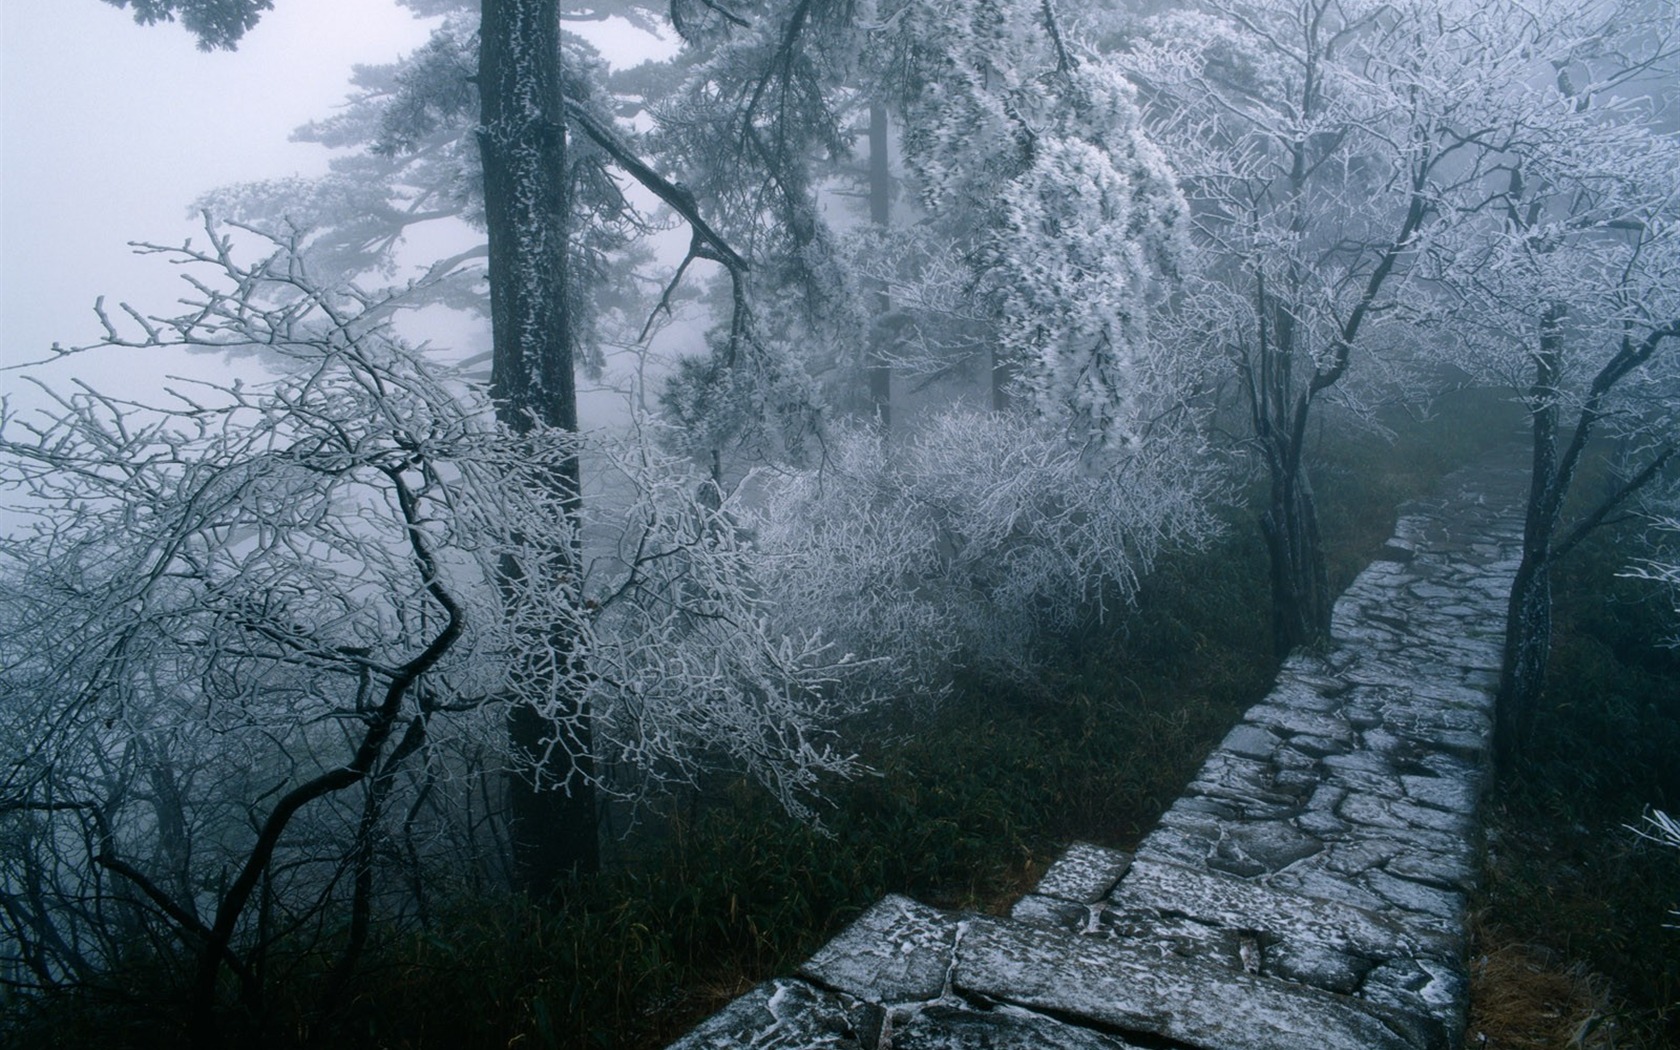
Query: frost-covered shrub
261, 641
977, 542
1663, 571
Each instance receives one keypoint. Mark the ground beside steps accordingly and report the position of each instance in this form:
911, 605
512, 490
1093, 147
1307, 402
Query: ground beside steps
1306, 891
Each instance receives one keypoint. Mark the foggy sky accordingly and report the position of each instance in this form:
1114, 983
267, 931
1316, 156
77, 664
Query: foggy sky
109, 130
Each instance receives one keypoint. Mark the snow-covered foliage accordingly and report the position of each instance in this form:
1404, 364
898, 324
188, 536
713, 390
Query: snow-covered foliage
1569, 207
1050, 220
1029, 154
1663, 571
216, 23
1297, 135
275, 629
981, 541
754, 122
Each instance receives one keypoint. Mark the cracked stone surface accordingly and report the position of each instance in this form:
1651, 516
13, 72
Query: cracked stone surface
778, 1015
897, 951
1307, 889
1084, 873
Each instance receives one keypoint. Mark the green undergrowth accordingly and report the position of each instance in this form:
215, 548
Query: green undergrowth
1566, 878
969, 804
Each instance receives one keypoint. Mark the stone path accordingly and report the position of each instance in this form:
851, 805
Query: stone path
1307, 890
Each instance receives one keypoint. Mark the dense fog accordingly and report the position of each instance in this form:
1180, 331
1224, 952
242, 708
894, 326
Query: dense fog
623, 486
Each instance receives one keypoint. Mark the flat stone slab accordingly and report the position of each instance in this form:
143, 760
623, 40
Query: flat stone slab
1261, 847
1051, 911
1240, 904
1084, 873
897, 951
777, 1015
942, 1027
1127, 988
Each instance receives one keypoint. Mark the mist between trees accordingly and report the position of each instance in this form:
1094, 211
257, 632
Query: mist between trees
1002, 302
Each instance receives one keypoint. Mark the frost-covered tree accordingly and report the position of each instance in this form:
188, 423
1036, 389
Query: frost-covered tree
1049, 230
1314, 139
1490, 176
1562, 271
524, 115
1029, 155
979, 539
1050, 220
260, 642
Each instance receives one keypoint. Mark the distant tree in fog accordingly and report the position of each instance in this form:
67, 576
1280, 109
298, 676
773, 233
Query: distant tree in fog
406, 165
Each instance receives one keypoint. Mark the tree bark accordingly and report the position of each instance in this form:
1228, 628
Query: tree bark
880, 213
1528, 646
1301, 600
522, 143
1528, 628
1300, 584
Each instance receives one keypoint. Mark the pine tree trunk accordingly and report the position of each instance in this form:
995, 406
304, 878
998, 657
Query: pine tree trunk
522, 142
880, 213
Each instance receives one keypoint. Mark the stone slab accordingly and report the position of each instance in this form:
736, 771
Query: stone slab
897, 951
942, 1027
1127, 988
1244, 905
777, 1015
1084, 873
1051, 911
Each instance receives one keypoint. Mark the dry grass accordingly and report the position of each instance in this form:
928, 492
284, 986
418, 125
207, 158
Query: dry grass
1524, 997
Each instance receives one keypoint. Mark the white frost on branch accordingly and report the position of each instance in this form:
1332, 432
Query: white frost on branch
978, 543
244, 591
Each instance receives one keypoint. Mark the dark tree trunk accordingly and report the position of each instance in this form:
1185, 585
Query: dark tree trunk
522, 141
1528, 624
880, 213
1528, 646
1301, 599
1300, 584
1528, 629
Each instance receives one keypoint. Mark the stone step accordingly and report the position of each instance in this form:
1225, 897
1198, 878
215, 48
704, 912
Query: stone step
1084, 873
900, 953
1233, 903
791, 1014
1131, 988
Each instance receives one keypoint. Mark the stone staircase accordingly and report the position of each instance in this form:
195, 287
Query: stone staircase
1307, 890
